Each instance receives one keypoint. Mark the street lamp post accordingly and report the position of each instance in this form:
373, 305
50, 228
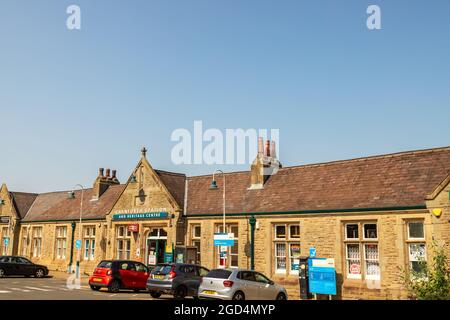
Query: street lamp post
72, 196
214, 186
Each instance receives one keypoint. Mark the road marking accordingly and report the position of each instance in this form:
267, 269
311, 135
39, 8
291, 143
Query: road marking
40, 289
19, 289
56, 288
4, 291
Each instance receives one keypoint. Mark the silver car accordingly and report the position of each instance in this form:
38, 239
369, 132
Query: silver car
239, 284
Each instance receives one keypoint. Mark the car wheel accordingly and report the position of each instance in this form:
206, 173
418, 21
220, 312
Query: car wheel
39, 273
180, 292
95, 288
239, 296
155, 294
2, 273
114, 286
281, 296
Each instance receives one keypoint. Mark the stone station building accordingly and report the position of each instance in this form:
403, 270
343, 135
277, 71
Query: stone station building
372, 215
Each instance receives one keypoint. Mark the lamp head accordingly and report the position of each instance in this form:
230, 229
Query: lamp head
213, 185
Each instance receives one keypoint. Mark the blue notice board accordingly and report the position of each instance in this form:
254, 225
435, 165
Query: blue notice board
223, 240
322, 280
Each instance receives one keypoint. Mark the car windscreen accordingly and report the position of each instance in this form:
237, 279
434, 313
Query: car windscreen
105, 264
162, 269
219, 274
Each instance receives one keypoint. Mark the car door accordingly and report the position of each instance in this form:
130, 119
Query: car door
7, 265
200, 272
127, 272
141, 276
248, 285
27, 266
16, 267
189, 278
266, 290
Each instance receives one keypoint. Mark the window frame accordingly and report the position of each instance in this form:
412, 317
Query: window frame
287, 242
415, 241
125, 242
89, 236
37, 241
361, 241
60, 242
228, 229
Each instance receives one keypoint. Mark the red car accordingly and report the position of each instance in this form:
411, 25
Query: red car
119, 274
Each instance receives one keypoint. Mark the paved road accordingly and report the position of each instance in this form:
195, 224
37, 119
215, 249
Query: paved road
19, 288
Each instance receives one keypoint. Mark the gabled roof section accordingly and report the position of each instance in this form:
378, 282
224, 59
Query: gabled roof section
395, 180
23, 202
56, 206
175, 184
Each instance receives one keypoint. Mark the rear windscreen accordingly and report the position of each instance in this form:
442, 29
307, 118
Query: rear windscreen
219, 274
105, 264
164, 269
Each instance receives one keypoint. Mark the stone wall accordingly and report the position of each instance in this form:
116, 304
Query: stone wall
325, 232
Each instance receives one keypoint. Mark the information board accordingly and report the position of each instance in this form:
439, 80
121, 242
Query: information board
322, 276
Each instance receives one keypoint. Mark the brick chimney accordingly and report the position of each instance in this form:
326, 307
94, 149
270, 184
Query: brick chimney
265, 164
102, 182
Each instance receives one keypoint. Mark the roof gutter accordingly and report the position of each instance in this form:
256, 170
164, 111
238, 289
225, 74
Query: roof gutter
325, 211
64, 220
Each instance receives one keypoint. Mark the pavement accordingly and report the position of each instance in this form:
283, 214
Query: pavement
54, 287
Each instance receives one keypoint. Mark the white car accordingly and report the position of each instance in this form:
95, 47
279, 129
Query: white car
239, 284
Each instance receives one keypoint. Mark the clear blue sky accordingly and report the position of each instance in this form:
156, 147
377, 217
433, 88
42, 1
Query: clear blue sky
73, 101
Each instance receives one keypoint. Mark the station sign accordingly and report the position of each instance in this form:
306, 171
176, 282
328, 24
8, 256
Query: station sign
224, 239
140, 216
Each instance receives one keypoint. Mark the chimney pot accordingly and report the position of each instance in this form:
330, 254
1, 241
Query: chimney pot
273, 150
108, 172
114, 172
268, 148
260, 146
101, 172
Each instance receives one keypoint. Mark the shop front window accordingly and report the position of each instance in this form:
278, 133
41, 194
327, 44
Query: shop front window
361, 252
287, 248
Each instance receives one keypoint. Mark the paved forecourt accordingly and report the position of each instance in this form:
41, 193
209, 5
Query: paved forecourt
19, 288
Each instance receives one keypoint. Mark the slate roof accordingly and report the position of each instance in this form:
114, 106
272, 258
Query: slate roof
57, 205
175, 183
394, 180
22, 202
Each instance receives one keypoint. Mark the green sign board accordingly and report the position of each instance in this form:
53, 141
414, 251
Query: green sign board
145, 215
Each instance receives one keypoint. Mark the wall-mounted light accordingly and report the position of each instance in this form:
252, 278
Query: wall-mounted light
213, 185
71, 195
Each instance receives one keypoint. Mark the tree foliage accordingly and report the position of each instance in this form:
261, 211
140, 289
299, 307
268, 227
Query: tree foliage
432, 281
